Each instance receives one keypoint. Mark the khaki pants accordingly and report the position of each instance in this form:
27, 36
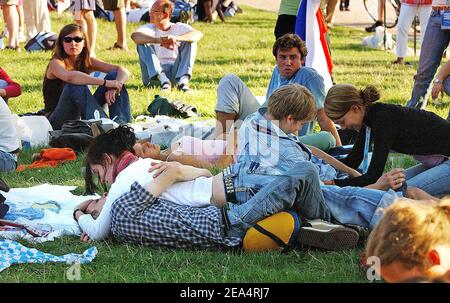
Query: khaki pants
37, 18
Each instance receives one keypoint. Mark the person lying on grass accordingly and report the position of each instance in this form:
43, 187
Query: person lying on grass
412, 241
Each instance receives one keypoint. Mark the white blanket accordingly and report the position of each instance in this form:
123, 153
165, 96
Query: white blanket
43, 207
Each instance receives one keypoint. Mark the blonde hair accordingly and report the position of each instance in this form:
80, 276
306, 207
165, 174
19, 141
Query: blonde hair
409, 230
341, 97
292, 99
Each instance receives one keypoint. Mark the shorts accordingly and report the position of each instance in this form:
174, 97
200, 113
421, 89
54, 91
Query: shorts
9, 2
111, 5
88, 5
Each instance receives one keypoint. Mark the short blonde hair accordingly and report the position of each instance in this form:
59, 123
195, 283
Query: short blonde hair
292, 99
409, 230
341, 97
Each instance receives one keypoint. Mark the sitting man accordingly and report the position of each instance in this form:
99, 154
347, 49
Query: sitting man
166, 50
235, 101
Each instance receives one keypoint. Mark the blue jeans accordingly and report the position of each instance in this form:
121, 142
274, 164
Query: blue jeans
435, 180
298, 189
434, 44
151, 66
76, 101
8, 162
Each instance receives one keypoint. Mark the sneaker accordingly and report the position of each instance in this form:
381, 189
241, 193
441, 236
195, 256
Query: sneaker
324, 235
166, 86
184, 87
371, 28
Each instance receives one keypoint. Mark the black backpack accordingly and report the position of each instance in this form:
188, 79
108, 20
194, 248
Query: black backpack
43, 41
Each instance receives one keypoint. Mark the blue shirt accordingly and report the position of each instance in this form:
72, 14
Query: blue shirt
309, 78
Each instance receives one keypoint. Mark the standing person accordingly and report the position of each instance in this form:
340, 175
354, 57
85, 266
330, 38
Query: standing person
9, 142
380, 20
120, 20
287, 15
435, 42
20, 13
344, 5
84, 16
8, 87
11, 17
331, 7
166, 50
65, 88
37, 17
408, 11
391, 127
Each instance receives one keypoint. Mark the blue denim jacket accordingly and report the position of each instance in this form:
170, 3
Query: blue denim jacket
261, 140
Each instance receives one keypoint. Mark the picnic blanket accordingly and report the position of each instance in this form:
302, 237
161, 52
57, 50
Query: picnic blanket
12, 252
45, 208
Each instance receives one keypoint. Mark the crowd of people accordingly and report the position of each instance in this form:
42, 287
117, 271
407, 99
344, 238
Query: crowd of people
272, 159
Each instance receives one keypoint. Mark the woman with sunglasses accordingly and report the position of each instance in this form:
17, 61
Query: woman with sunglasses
410, 131
65, 88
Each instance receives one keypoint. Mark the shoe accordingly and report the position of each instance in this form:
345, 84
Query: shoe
371, 29
3, 186
166, 86
398, 61
347, 9
21, 37
17, 48
341, 6
184, 87
325, 235
117, 46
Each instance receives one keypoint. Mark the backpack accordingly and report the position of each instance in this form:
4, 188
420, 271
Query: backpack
279, 231
41, 42
75, 134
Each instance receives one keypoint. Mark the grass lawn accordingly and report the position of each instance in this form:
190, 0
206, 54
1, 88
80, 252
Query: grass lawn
242, 46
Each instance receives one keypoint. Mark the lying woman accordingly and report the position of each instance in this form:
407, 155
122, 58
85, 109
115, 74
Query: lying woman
412, 241
65, 88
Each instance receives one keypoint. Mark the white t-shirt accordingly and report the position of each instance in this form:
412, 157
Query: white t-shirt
8, 135
165, 55
196, 193
440, 2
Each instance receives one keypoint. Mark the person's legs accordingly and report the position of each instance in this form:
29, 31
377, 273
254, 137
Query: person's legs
12, 25
43, 23
120, 19
407, 14
91, 29
120, 109
8, 162
234, 102
285, 24
299, 191
75, 102
185, 62
21, 36
322, 140
30, 14
150, 65
434, 43
331, 7
424, 14
435, 181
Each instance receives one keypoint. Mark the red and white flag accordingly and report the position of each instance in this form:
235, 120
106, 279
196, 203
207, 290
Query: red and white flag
310, 26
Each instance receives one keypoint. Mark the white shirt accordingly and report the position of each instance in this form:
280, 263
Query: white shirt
196, 193
8, 135
165, 55
440, 2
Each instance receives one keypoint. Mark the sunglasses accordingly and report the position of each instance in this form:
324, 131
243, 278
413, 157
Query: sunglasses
70, 39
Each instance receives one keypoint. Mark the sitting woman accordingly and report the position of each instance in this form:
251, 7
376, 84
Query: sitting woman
8, 87
392, 127
65, 88
412, 241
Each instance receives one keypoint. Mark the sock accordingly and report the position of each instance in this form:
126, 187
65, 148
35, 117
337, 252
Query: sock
184, 79
163, 78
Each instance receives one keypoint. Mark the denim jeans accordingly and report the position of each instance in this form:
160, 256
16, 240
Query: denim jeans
151, 66
8, 162
433, 45
76, 101
435, 180
298, 189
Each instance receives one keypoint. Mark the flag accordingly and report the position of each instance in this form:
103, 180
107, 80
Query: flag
310, 26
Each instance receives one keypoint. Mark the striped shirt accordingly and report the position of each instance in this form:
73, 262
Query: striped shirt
139, 217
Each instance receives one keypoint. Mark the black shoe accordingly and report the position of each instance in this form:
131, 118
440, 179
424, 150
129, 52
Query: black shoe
341, 6
371, 28
3, 186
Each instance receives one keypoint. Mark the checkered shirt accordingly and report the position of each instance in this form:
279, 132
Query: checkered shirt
417, 2
139, 217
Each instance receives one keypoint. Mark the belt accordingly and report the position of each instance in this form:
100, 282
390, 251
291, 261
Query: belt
228, 183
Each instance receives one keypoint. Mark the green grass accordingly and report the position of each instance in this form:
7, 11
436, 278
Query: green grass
242, 46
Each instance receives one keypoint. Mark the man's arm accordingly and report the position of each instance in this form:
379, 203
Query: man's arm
192, 36
143, 38
327, 125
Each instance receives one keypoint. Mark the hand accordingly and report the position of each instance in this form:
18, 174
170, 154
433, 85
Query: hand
115, 84
83, 205
392, 179
110, 96
2, 92
437, 88
84, 237
329, 182
169, 42
163, 167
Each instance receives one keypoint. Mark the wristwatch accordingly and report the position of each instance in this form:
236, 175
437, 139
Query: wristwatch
437, 81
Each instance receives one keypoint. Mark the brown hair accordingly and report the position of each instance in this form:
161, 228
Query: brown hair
288, 41
341, 97
83, 63
166, 7
409, 230
292, 99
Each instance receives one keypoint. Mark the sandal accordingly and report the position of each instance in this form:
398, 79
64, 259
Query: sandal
184, 87
117, 46
166, 86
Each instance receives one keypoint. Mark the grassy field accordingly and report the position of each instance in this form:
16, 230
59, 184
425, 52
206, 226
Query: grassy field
242, 46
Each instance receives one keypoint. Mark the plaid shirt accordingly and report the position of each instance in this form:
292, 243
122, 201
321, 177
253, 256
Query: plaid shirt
139, 217
417, 2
